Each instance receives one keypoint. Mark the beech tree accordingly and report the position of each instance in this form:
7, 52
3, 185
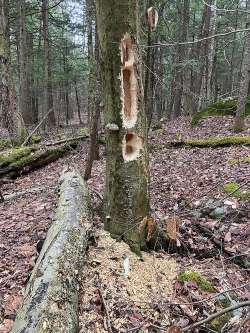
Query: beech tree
127, 175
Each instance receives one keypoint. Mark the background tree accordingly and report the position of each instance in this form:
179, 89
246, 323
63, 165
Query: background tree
245, 80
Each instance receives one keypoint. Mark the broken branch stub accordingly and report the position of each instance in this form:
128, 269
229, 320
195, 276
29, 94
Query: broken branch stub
129, 85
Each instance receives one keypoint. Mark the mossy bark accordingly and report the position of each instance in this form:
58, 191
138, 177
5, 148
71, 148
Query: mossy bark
24, 160
127, 183
51, 297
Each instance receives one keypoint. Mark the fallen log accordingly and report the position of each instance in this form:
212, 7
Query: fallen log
68, 140
51, 297
30, 158
212, 142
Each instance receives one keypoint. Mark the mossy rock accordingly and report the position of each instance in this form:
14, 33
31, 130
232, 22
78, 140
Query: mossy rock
221, 108
15, 155
234, 188
220, 141
196, 277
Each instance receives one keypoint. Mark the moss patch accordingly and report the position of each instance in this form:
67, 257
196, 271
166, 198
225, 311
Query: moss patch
36, 138
238, 193
219, 322
220, 108
14, 155
220, 141
84, 131
240, 160
196, 277
5, 143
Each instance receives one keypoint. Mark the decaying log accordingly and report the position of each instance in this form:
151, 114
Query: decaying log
212, 142
36, 158
51, 297
68, 140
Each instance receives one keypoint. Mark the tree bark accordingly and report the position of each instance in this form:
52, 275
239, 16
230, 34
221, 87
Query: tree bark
239, 123
48, 96
24, 99
127, 175
51, 297
181, 54
8, 101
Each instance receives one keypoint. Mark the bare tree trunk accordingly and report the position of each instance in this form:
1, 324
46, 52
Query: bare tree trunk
48, 96
244, 84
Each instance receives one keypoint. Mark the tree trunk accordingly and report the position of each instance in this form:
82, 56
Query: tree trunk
8, 101
24, 99
127, 175
78, 103
202, 56
93, 153
239, 123
181, 57
48, 96
51, 297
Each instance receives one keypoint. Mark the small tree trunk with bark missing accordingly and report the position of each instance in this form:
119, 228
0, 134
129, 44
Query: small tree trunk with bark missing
127, 174
239, 123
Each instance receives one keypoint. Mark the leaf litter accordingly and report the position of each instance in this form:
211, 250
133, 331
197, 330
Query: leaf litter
182, 183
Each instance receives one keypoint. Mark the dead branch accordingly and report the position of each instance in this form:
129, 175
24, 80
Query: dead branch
36, 128
216, 315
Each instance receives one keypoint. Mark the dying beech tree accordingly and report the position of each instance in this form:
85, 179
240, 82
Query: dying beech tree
239, 123
127, 174
8, 101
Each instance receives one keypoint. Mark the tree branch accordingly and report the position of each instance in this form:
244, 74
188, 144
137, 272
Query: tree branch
215, 315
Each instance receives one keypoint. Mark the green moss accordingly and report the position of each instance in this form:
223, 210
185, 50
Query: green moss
220, 108
36, 138
219, 322
221, 141
240, 160
5, 143
196, 277
84, 131
14, 155
238, 193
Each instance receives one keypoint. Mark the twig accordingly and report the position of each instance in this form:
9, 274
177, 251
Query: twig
196, 41
217, 314
106, 309
36, 128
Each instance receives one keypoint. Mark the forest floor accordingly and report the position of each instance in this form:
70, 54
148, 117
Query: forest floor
185, 183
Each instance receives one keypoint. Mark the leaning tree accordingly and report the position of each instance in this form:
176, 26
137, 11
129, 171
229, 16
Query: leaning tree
127, 175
